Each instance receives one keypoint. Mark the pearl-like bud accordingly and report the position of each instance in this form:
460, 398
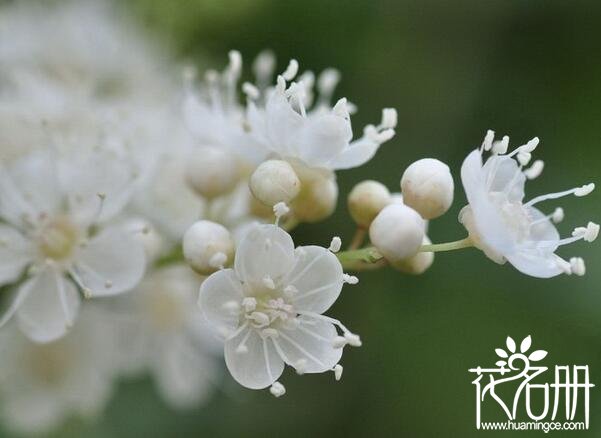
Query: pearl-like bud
417, 264
212, 172
318, 196
208, 247
427, 187
397, 232
366, 200
274, 181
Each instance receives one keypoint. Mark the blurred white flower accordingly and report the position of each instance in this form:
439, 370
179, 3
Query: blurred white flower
215, 116
504, 226
42, 385
269, 309
162, 331
286, 123
54, 210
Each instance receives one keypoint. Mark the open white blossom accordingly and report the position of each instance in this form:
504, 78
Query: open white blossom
287, 123
269, 309
41, 385
162, 332
506, 227
54, 239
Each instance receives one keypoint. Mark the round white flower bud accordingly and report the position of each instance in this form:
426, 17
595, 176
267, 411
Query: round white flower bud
418, 263
207, 247
366, 200
212, 172
318, 196
427, 187
274, 181
397, 232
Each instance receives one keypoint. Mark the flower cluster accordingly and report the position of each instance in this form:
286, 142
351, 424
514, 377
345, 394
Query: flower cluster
146, 226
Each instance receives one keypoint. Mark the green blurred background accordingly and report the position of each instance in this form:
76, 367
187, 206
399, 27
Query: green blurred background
452, 70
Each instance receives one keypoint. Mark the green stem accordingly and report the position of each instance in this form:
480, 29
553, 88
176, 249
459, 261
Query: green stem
357, 259
448, 246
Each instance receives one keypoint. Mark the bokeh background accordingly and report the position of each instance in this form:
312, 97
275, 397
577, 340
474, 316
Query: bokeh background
452, 69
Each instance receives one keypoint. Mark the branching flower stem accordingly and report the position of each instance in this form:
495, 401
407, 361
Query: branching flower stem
369, 258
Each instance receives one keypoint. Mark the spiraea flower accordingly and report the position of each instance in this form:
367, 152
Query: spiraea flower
42, 385
54, 237
269, 308
506, 227
290, 123
162, 332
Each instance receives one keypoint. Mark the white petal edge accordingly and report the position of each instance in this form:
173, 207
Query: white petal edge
50, 306
219, 300
110, 263
257, 368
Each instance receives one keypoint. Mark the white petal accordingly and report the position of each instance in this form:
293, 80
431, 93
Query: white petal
266, 250
491, 227
499, 172
312, 344
30, 187
111, 262
183, 374
259, 366
49, 308
535, 264
16, 253
356, 154
282, 126
323, 137
317, 276
220, 294
87, 175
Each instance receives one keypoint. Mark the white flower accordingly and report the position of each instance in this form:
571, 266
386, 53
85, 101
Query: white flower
163, 332
42, 385
216, 118
285, 123
269, 308
504, 226
53, 233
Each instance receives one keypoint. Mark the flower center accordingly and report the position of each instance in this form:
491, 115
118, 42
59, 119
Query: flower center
58, 239
263, 311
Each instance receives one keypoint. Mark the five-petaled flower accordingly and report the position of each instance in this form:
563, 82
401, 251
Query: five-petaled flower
269, 309
504, 226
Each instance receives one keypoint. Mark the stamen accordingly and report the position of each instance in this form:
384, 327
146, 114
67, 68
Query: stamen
218, 260
588, 233
339, 342
577, 265
389, 118
349, 279
577, 191
277, 389
301, 366
352, 339
557, 215
535, 170
291, 70
268, 282
270, 332
326, 84
280, 209
249, 304
338, 372
290, 290
524, 158
335, 244
251, 91
565, 266
500, 147
488, 139
263, 67
261, 319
